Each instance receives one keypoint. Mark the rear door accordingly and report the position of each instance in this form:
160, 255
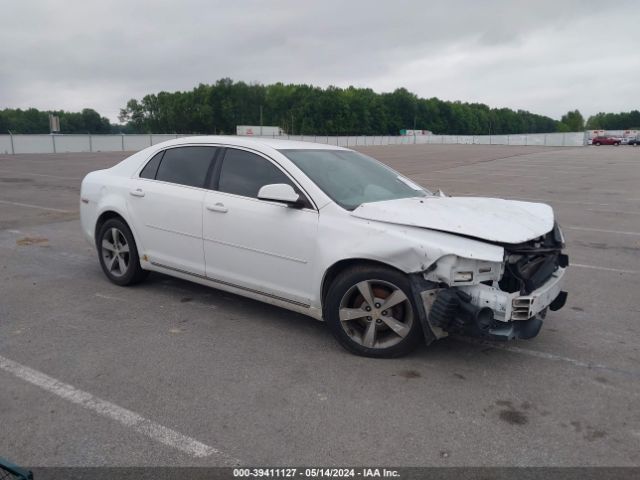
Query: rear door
255, 244
166, 204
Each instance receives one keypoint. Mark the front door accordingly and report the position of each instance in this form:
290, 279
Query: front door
257, 245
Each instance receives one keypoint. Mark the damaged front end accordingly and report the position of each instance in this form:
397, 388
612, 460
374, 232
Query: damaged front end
500, 301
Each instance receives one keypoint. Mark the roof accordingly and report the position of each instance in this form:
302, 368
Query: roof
129, 165
243, 141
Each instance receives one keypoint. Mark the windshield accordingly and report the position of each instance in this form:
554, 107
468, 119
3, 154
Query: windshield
350, 178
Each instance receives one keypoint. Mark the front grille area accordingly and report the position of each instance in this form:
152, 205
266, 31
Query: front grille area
525, 273
529, 265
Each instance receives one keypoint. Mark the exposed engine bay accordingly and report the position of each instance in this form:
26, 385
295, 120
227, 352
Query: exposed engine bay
514, 306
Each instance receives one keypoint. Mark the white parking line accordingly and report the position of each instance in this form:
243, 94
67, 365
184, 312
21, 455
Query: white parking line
606, 269
603, 230
107, 409
28, 205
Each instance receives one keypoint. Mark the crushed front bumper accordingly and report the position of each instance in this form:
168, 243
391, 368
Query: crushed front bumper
513, 306
486, 311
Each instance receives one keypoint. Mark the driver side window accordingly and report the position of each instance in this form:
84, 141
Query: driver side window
244, 173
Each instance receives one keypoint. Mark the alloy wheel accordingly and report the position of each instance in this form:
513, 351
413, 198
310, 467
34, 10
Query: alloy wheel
376, 314
115, 252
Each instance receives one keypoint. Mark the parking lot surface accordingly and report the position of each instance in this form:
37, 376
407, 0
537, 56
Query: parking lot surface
172, 373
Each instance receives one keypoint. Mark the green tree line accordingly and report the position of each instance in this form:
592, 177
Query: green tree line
615, 121
307, 110
32, 120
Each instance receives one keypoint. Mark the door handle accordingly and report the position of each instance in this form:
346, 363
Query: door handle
218, 207
138, 192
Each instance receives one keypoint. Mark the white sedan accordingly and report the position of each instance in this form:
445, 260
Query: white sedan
330, 233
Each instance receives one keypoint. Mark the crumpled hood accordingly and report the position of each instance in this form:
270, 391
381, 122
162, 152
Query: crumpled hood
491, 219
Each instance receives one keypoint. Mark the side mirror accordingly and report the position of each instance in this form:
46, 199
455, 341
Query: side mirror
280, 192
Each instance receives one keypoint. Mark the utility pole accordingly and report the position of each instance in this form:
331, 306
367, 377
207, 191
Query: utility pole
415, 116
13, 150
291, 123
260, 120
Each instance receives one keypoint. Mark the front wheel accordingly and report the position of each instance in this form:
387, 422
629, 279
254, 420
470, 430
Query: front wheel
118, 253
371, 312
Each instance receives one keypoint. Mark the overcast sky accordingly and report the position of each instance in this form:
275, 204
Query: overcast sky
544, 56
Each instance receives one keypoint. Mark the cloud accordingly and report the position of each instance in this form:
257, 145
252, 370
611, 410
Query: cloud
544, 56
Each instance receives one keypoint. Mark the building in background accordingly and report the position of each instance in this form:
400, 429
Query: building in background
252, 130
414, 133
614, 133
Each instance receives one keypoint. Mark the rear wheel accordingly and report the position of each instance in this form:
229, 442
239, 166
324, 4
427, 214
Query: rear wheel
118, 253
597, 144
371, 312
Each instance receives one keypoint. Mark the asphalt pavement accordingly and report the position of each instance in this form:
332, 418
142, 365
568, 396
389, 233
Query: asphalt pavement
173, 373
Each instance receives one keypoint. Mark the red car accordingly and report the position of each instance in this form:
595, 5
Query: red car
605, 141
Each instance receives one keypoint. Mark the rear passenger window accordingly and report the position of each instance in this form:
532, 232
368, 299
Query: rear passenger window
186, 165
151, 168
244, 173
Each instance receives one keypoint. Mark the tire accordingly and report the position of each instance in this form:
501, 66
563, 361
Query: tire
118, 253
615, 144
597, 144
389, 333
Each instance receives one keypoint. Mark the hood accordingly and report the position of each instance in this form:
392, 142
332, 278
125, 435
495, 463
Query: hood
491, 219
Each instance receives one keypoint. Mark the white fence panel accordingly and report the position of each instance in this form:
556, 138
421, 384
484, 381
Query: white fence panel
33, 143
517, 140
114, 143
133, 143
72, 143
553, 140
536, 140
161, 137
107, 143
5, 144
575, 139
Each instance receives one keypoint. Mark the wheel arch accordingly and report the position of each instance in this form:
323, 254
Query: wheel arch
110, 213
341, 265
102, 219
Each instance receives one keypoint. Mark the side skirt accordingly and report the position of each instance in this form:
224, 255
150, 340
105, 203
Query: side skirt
237, 289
